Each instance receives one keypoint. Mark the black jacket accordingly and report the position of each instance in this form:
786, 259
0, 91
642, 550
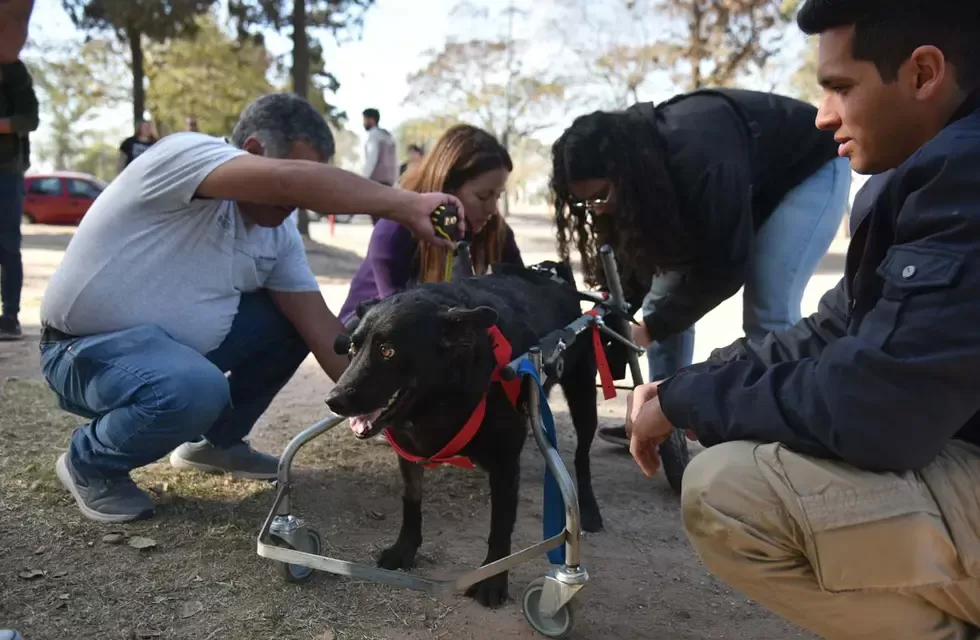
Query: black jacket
732, 156
19, 104
887, 370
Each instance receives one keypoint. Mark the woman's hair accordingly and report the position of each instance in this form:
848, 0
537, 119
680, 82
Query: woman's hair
460, 155
645, 231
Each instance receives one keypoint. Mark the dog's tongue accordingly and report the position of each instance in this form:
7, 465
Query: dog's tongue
362, 424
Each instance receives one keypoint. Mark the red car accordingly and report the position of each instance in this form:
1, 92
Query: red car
59, 197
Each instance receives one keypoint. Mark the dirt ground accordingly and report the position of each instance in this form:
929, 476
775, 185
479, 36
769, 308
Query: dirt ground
63, 577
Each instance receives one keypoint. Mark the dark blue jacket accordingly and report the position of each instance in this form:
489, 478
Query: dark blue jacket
887, 371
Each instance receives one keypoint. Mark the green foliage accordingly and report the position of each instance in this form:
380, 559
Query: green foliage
618, 47
74, 82
210, 76
98, 158
131, 21
308, 74
155, 19
475, 81
803, 82
422, 131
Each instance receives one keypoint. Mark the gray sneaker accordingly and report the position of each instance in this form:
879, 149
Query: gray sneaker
10, 634
240, 460
115, 500
10, 328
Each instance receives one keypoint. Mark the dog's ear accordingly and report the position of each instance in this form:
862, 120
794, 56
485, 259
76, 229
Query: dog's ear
363, 307
479, 318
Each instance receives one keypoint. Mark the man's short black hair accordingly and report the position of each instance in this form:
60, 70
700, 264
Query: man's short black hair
372, 113
886, 32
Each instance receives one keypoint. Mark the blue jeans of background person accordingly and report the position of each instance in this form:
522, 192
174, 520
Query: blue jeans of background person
11, 266
147, 394
788, 248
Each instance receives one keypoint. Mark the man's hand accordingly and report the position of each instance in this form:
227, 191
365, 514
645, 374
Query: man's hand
646, 426
417, 216
641, 336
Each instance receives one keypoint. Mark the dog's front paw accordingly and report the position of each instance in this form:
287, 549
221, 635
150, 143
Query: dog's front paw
398, 556
491, 592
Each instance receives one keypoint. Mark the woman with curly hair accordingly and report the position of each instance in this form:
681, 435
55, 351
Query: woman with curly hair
472, 165
699, 196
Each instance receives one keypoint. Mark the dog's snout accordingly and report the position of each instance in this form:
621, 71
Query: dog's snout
339, 400
341, 344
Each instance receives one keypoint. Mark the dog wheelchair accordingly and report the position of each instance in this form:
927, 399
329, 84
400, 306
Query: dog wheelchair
546, 602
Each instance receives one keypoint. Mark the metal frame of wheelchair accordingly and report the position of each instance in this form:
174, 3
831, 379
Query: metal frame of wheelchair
546, 602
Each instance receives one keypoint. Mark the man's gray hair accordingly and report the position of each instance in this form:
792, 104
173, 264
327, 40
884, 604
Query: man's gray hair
280, 120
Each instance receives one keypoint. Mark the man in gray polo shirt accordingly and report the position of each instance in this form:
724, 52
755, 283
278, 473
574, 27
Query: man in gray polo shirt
185, 302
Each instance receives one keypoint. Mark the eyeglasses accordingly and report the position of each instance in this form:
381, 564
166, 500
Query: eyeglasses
589, 205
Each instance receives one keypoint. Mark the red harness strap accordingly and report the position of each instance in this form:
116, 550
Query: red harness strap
601, 363
448, 455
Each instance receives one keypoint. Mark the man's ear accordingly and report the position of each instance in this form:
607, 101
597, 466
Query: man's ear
253, 146
479, 318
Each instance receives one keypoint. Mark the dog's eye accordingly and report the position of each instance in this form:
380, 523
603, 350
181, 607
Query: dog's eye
387, 351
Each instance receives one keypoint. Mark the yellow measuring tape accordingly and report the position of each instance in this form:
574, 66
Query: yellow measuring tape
439, 223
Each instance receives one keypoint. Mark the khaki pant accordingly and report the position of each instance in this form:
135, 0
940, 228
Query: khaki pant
841, 552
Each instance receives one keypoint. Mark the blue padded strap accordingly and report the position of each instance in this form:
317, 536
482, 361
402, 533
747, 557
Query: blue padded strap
554, 507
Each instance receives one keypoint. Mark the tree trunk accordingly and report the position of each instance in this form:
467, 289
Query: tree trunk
136, 60
301, 80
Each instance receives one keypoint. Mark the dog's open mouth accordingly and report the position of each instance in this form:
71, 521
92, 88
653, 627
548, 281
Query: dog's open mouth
371, 424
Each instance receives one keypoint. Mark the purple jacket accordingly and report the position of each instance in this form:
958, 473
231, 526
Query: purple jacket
391, 265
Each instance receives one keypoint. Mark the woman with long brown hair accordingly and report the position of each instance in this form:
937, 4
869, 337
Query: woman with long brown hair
469, 163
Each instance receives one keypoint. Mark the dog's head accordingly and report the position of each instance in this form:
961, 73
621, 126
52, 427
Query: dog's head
405, 352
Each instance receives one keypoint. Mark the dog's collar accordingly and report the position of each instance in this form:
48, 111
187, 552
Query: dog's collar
449, 454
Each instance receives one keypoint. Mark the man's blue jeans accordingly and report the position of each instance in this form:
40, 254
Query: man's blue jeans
788, 248
147, 394
11, 267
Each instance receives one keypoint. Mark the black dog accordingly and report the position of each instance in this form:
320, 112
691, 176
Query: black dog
422, 360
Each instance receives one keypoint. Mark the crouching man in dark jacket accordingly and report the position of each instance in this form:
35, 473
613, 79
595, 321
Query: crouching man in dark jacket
841, 484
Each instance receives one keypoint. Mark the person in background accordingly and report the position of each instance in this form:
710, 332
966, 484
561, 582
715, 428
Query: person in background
699, 196
185, 302
134, 146
380, 152
472, 165
413, 157
839, 486
190, 123
18, 118
15, 17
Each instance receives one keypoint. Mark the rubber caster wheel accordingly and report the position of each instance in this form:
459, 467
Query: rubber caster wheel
559, 626
296, 573
674, 454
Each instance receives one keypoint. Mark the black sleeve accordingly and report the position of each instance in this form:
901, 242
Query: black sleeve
23, 101
511, 253
727, 237
890, 397
127, 147
806, 339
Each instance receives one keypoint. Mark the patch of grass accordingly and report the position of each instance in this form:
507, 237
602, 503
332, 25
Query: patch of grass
61, 579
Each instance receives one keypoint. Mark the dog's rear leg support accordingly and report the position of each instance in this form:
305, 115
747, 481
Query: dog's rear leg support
618, 299
564, 582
